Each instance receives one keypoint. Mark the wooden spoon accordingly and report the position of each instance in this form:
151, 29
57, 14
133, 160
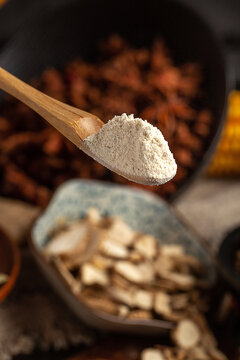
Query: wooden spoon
73, 123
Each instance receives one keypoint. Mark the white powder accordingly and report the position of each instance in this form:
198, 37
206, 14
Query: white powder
133, 148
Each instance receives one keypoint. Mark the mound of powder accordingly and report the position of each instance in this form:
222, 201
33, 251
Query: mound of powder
133, 148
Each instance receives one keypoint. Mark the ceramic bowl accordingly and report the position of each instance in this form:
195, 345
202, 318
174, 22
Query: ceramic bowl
142, 210
9, 263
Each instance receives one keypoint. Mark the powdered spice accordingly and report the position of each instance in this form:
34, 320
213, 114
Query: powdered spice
134, 148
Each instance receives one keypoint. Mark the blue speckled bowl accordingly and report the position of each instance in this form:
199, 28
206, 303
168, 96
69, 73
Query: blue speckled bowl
142, 210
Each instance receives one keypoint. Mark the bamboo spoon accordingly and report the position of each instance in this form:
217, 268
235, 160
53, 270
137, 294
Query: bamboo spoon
73, 123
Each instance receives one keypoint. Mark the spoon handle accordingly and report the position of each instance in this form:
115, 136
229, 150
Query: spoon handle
73, 123
35, 99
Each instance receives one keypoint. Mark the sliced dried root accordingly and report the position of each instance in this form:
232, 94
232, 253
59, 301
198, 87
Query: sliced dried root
113, 249
146, 245
186, 334
171, 250
163, 265
199, 353
139, 315
123, 296
162, 303
135, 257
179, 301
143, 299
93, 217
123, 311
182, 281
91, 275
152, 354
71, 240
120, 232
119, 281
129, 271
101, 304
102, 262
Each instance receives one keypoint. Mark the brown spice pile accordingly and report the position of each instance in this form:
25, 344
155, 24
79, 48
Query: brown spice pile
35, 158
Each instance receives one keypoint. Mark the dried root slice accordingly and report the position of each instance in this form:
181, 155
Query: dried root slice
152, 354
124, 296
174, 316
129, 271
190, 261
91, 275
71, 240
76, 259
171, 250
179, 301
146, 245
182, 281
164, 285
102, 262
119, 281
135, 257
187, 334
101, 304
143, 299
175, 354
123, 311
139, 315
163, 265
93, 216
113, 249
120, 232
147, 271
208, 340
162, 303
70, 279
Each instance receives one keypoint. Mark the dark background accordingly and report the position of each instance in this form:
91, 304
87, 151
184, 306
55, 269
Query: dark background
223, 15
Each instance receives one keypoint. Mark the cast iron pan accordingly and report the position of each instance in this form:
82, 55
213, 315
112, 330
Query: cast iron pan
74, 29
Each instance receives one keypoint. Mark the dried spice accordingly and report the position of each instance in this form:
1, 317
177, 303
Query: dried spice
136, 278
110, 260
35, 158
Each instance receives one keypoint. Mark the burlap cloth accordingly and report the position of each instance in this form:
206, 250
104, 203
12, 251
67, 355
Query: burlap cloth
34, 317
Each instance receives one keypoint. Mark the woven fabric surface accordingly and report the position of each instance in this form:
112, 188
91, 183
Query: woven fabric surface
33, 317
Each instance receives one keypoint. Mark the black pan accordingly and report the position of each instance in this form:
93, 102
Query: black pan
75, 28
